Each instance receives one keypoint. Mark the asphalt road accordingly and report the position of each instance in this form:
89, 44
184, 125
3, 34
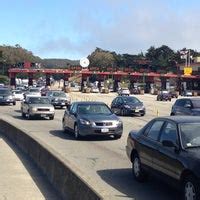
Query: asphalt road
102, 160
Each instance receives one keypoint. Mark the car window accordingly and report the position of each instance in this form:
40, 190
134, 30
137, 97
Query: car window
73, 108
114, 101
196, 103
187, 102
169, 132
155, 130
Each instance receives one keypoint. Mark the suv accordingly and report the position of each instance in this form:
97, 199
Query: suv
164, 96
58, 98
6, 96
186, 106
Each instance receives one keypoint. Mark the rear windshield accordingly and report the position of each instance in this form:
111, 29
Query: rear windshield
34, 90
34, 100
59, 94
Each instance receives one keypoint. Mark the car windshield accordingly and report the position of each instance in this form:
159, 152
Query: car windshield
5, 92
59, 94
34, 90
196, 103
190, 134
33, 100
93, 109
131, 100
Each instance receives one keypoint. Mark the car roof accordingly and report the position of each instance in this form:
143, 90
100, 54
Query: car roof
181, 119
89, 102
192, 99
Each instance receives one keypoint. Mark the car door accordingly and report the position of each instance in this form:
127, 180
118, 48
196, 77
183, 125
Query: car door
118, 105
72, 116
166, 160
149, 142
113, 105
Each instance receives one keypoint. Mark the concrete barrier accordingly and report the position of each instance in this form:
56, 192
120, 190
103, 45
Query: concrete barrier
69, 181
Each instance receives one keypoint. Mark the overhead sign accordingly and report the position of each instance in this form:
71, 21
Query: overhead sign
187, 71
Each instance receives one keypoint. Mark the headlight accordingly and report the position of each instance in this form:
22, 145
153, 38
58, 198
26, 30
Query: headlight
127, 106
85, 122
34, 109
55, 99
8, 97
119, 123
140, 107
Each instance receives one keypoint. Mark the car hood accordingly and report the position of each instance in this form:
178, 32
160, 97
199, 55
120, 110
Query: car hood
134, 104
41, 106
99, 117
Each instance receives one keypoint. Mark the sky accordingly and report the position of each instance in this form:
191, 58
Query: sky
73, 28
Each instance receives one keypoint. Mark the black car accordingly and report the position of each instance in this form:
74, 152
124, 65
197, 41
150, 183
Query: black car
91, 118
6, 96
164, 96
186, 106
128, 105
170, 148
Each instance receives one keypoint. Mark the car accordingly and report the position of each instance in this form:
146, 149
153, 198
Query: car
174, 94
135, 90
18, 95
186, 106
91, 118
168, 147
164, 95
95, 89
187, 93
124, 92
37, 107
58, 98
44, 91
128, 105
32, 92
6, 96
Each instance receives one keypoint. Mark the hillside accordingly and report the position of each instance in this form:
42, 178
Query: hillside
58, 63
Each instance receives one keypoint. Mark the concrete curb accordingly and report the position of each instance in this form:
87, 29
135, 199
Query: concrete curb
69, 182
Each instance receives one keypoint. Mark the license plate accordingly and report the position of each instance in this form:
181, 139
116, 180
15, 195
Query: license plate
62, 103
137, 110
43, 115
104, 130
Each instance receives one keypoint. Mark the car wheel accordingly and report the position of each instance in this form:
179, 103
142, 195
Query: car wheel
191, 188
14, 103
172, 114
123, 112
23, 114
117, 136
76, 132
142, 114
29, 116
137, 170
51, 117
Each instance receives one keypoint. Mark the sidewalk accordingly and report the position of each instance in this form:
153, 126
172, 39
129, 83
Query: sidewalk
19, 177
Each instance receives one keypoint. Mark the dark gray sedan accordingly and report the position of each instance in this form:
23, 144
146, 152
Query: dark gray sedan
91, 118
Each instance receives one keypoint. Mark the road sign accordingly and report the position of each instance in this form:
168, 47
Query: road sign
187, 71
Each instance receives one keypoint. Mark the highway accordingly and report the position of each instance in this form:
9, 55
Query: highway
102, 160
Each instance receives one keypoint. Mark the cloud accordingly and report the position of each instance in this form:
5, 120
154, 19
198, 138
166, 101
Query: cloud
128, 26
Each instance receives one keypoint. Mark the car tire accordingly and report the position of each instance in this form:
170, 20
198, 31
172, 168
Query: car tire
123, 112
23, 114
14, 103
117, 137
143, 114
191, 188
51, 117
76, 132
172, 114
29, 116
137, 170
